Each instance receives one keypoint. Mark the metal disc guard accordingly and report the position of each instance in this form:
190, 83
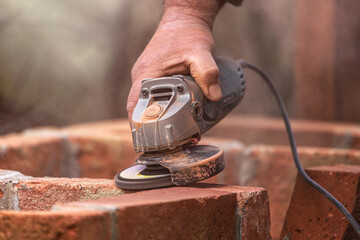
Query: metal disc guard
189, 164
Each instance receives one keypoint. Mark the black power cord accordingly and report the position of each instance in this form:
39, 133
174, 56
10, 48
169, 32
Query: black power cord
290, 134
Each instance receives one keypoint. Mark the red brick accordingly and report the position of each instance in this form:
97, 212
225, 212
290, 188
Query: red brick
102, 154
73, 152
267, 130
253, 212
27, 153
312, 216
79, 225
272, 167
43, 193
173, 213
196, 212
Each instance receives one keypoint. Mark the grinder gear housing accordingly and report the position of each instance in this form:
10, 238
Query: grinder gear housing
168, 120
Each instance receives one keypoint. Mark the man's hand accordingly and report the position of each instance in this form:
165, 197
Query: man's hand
182, 44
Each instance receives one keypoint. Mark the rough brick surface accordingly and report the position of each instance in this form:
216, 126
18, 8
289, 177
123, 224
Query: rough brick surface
312, 216
26, 193
197, 212
43, 193
89, 225
8, 179
252, 211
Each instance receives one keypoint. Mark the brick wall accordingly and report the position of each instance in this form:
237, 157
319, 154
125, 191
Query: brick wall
61, 208
81, 160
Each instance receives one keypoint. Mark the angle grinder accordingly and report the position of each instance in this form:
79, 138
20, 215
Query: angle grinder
168, 121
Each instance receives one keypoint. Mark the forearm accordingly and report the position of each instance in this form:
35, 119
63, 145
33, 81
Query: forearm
189, 10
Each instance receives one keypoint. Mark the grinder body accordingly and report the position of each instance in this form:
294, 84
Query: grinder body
172, 111
168, 121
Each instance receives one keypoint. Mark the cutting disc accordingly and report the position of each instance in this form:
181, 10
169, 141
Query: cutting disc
188, 164
144, 177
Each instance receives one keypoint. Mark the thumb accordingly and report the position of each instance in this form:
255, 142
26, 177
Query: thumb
206, 74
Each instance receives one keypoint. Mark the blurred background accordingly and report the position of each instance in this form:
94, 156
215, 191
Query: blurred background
64, 62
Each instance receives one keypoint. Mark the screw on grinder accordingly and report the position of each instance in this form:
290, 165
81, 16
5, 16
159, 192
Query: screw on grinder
168, 121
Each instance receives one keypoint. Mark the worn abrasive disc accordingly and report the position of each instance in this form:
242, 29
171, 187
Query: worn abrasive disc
189, 164
144, 177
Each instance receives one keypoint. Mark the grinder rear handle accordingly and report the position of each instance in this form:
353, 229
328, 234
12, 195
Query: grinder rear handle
232, 84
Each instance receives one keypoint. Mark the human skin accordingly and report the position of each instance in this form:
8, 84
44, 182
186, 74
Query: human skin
182, 44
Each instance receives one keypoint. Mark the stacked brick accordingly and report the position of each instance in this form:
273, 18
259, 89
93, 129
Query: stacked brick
99, 150
197, 212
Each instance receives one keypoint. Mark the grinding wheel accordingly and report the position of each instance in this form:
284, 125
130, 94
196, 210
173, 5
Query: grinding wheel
143, 177
157, 170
